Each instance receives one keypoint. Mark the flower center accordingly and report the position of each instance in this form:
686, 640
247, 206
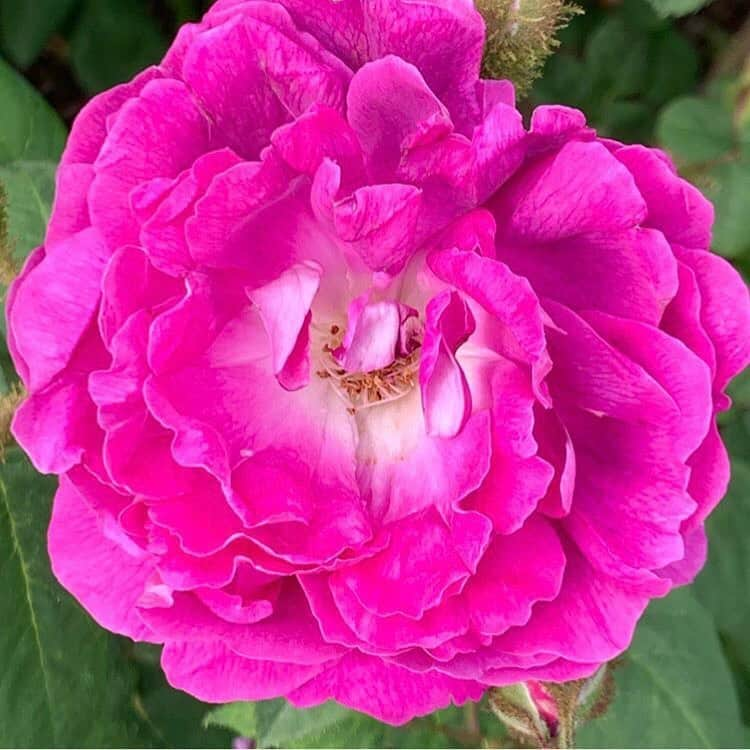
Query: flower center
361, 390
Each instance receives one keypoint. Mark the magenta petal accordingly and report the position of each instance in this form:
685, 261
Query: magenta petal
675, 207
709, 476
401, 694
554, 125
380, 222
54, 303
157, 134
592, 618
437, 471
70, 211
90, 127
499, 147
518, 477
213, 673
516, 571
722, 289
101, 575
232, 85
394, 582
163, 231
632, 273
516, 326
684, 571
287, 635
391, 108
606, 196
321, 133
359, 32
56, 425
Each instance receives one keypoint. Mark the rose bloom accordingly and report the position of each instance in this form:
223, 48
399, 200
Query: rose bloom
357, 388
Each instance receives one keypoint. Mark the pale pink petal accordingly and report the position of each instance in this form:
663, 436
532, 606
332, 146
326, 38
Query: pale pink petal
284, 306
446, 397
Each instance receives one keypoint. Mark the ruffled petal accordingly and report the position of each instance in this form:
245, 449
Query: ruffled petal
53, 304
213, 673
386, 691
106, 579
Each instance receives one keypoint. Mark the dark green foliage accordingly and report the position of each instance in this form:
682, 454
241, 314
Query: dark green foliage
65, 682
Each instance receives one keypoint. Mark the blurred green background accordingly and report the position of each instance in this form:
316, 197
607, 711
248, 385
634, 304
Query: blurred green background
670, 72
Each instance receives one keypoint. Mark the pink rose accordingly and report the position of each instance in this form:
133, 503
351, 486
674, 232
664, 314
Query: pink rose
357, 388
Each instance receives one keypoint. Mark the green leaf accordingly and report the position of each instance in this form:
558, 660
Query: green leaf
673, 67
31, 141
175, 718
64, 680
677, 7
674, 689
183, 10
112, 41
725, 582
621, 68
29, 189
729, 188
278, 724
31, 130
26, 25
241, 718
695, 130
736, 434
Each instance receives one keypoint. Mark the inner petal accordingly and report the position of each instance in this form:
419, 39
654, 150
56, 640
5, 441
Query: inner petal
375, 359
284, 307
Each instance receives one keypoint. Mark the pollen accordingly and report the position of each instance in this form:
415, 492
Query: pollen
362, 390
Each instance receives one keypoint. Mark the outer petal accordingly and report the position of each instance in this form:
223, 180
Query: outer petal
591, 620
157, 134
722, 289
57, 425
100, 574
288, 636
631, 273
215, 674
54, 303
386, 691
362, 30
675, 207
581, 188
